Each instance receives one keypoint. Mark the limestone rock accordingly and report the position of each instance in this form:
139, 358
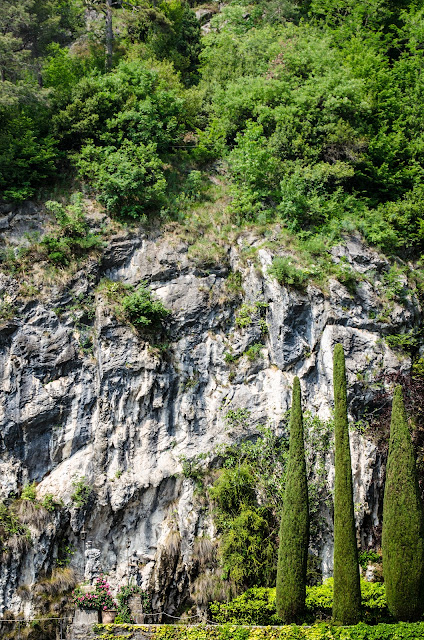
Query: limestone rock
120, 416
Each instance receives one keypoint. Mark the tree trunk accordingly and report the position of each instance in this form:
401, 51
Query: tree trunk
109, 35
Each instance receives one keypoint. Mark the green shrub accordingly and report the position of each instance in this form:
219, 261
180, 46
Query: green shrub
286, 273
254, 606
129, 179
246, 550
28, 152
7, 309
254, 351
123, 596
246, 497
29, 492
234, 283
232, 632
403, 521
82, 493
251, 313
72, 238
11, 526
192, 467
404, 341
143, 310
367, 557
50, 503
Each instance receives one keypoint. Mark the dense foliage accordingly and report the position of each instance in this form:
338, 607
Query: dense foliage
139, 306
246, 498
316, 109
258, 605
347, 594
403, 523
294, 527
248, 494
321, 631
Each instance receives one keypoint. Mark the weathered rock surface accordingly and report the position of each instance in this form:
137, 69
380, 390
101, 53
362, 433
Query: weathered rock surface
122, 413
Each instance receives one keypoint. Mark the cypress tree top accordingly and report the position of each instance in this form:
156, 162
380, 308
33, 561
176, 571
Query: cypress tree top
347, 591
403, 545
294, 529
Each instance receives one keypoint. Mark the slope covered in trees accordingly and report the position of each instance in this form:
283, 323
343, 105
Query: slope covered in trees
315, 108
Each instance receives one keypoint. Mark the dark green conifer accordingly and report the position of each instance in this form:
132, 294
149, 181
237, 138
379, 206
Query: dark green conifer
347, 590
403, 546
294, 529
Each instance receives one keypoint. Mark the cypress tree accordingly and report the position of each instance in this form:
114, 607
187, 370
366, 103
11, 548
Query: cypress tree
402, 543
347, 590
294, 528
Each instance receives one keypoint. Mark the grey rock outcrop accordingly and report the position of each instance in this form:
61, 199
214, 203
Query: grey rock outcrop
121, 413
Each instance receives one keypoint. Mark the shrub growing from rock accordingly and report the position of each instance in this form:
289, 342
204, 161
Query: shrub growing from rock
403, 526
294, 529
347, 592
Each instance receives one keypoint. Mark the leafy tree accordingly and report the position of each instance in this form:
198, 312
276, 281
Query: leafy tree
134, 102
347, 591
247, 546
27, 152
246, 497
14, 53
179, 41
294, 528
27, 28
129, 179
403, 524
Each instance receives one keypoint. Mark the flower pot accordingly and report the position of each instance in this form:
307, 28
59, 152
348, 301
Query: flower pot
86, 617
108, 617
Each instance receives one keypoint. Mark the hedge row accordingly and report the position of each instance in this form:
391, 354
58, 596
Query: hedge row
322, 631
257, 605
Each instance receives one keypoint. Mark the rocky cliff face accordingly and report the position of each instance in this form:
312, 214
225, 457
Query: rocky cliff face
84, 396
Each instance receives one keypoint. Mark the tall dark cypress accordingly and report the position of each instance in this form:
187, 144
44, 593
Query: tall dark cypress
347, 589
403, 545
294, 529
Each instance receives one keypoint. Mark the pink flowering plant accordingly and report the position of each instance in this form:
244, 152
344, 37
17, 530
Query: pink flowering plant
100, 598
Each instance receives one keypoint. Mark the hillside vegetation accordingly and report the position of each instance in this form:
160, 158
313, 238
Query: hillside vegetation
311, 112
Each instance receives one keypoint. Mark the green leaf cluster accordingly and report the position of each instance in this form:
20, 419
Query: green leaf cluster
258, 605
82, 492
319, 118
143, 310
11, 526
123, 596
287, 273
246, 497
313, 110
320, 631
72, 237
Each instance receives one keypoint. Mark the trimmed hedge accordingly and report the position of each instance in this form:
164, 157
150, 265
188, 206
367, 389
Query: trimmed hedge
257, 605
322, 631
